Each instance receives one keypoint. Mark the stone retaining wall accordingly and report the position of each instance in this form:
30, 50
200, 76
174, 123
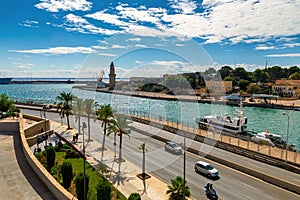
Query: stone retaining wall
57, 190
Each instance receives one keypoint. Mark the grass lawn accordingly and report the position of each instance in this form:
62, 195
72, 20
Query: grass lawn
77, 164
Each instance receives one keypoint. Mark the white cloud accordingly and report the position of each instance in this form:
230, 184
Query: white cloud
171, 63
71, 18
23, 65
134, 39
108, 18
138, 62
237, 21
66, 5
117, 46
264, 47
107, 54
99, 47
229, 21
57, 50
241, 19
140, 46
141, 14
30, 23
77, 23
291, 45
284, 55
183, 6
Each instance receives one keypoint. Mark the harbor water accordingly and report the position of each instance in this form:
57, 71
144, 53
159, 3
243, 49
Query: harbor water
259, 119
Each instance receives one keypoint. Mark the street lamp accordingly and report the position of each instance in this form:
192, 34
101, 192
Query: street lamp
184, 165
83, 150
46, 107
287, 134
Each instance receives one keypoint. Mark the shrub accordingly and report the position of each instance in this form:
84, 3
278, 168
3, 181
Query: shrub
79, 181
42, 158
55, 171
50, 154
104, 190
134, 196
59, 146
66, 146
67, 174
72, 154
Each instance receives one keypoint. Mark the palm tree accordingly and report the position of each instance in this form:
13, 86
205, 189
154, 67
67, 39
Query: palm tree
78, 108
64, 105
143, 148
7, 106
178, 189
89, 105
104, 113
119, 125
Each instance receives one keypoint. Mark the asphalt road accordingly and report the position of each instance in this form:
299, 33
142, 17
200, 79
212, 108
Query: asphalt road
232, 185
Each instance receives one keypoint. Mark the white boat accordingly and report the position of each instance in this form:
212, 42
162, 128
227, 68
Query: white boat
225, 123
273, 139
259, 139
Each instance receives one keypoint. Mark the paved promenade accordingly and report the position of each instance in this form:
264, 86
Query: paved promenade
152, 189
17, 179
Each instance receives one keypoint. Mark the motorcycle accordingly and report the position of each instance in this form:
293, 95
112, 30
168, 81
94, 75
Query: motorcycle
210, 192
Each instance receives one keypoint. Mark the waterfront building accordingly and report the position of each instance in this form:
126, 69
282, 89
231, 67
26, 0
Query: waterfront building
287, 88
219, 87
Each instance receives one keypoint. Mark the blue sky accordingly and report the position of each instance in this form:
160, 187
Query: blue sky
79, 38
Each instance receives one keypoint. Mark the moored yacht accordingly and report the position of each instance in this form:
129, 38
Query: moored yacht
224, 123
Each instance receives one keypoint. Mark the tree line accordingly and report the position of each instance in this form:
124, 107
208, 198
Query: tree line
251, 82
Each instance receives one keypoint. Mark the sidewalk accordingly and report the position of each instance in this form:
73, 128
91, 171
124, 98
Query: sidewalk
150, 189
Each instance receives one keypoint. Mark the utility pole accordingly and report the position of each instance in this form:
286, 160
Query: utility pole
83, 150
184, 165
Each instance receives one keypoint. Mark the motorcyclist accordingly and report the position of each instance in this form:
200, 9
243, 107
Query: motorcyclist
211, 193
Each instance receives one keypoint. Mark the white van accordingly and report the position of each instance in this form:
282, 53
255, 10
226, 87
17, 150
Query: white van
206, 168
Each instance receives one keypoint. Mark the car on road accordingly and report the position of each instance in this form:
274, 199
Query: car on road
206, 169
173, 147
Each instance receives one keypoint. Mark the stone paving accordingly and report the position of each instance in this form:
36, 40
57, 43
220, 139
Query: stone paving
127, 182
17, 179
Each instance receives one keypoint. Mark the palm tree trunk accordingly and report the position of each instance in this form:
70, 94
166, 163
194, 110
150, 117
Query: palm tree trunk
78, 124
115, 144
68, 121
144, 163
103, 141
89, 127
120, 154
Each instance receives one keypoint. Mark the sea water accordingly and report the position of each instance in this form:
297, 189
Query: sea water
259, 119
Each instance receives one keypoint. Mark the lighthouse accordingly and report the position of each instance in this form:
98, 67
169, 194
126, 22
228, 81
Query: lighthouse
112, 76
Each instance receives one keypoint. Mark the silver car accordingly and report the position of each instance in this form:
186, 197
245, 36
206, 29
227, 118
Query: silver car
173, 147
207, 169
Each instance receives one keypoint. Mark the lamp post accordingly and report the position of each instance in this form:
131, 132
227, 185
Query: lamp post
184, 164
45, 108
287, 134
83, 150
